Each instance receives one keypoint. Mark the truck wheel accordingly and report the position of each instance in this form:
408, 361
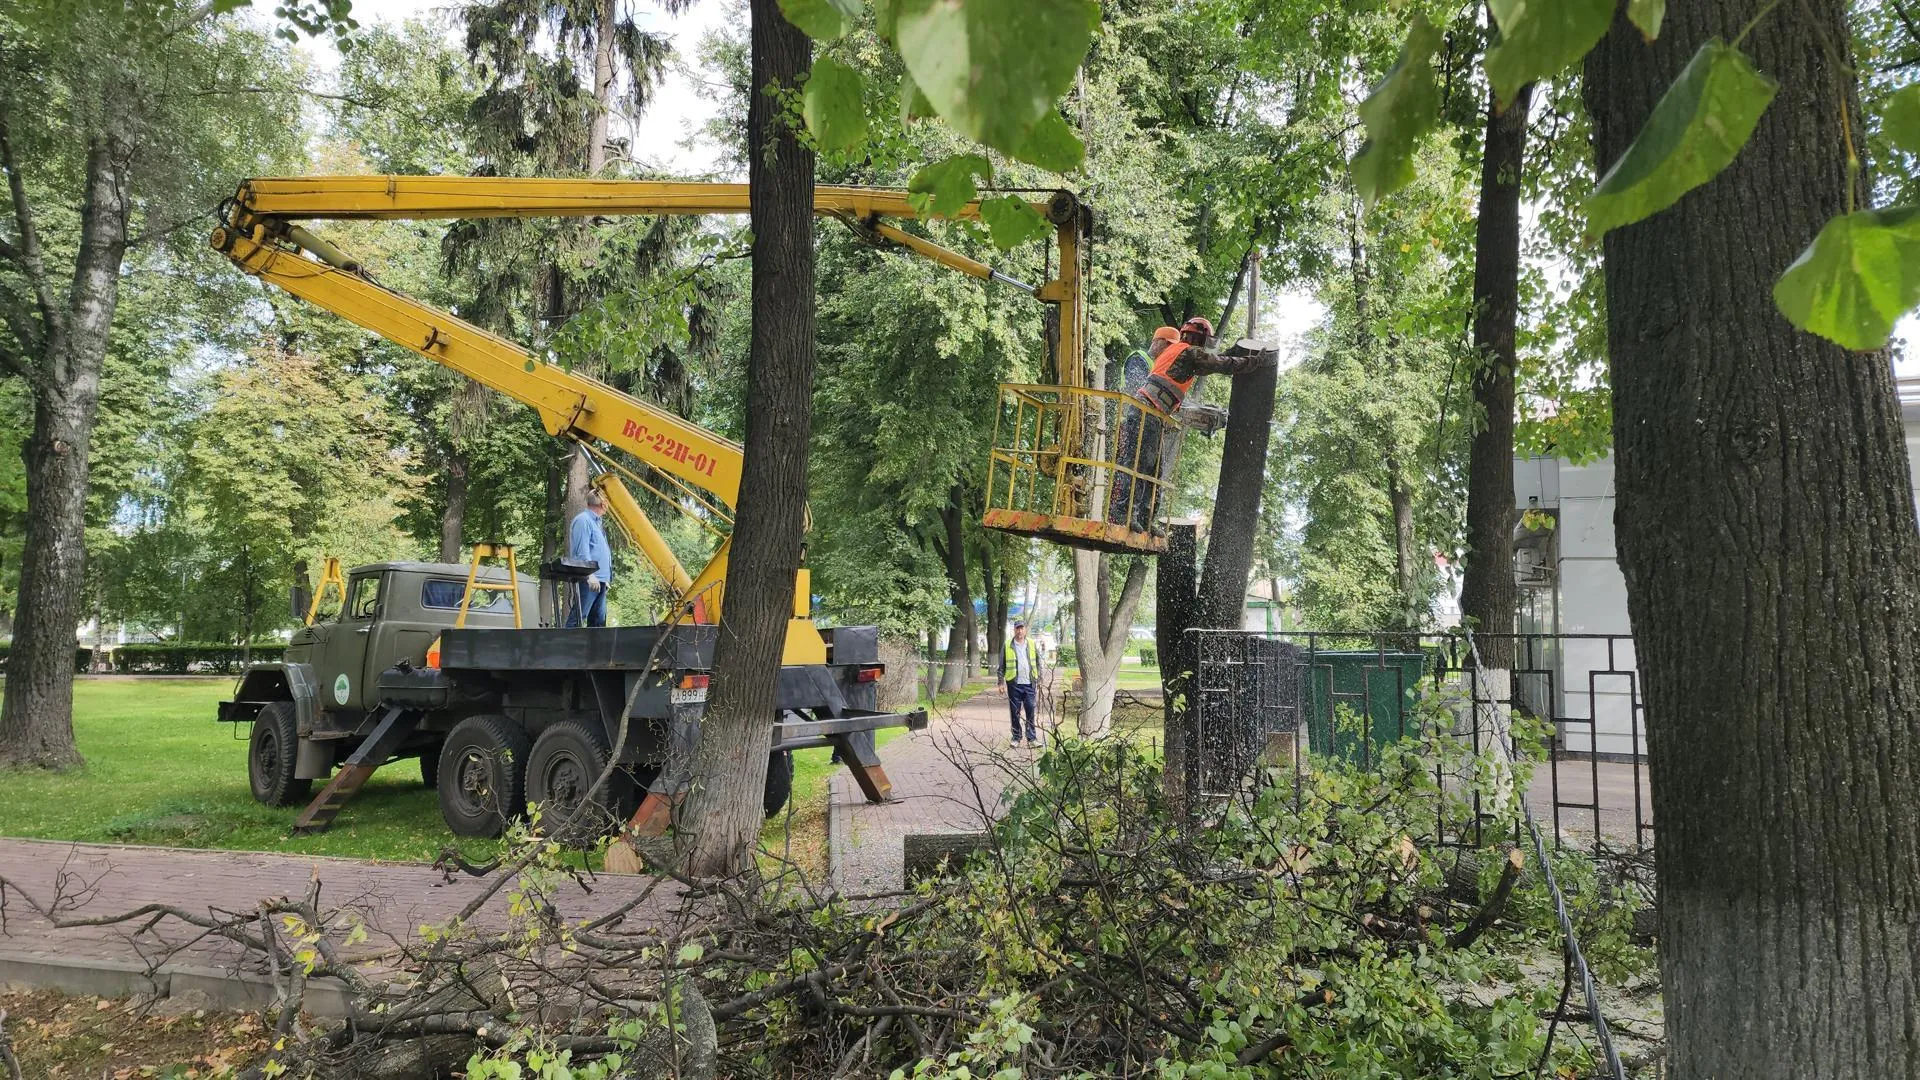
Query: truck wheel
779, 782
482, 775
567, 758
270, 757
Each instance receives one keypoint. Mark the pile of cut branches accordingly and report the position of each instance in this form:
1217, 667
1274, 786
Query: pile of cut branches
1327, 922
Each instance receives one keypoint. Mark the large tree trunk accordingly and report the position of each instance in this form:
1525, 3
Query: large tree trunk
724, 812
578, 478
954, 551
36, 720
453, 516
1767, 536
1100, 635
1487, 593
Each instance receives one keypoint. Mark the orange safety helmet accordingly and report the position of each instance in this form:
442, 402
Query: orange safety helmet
1166, 333
1197, 325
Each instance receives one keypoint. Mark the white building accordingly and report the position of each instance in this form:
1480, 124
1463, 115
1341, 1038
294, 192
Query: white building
1570, 583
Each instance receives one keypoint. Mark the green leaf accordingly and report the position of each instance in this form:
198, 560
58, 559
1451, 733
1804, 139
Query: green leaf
1695, 131
1402, 108
913, 104
834, 105
991, 68
821, 20
1856, 279
1647, 15
1541, 38
1052, 145
691, 952
1012, 221
942, 188
1900, 119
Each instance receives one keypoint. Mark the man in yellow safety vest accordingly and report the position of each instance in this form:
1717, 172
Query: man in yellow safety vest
1020, 681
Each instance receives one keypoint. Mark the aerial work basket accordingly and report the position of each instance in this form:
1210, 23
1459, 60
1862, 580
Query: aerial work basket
1081, 467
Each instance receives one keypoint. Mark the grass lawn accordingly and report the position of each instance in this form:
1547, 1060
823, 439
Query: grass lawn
160, 770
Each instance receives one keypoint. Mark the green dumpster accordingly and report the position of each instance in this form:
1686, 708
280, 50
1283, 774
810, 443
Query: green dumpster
1368, 683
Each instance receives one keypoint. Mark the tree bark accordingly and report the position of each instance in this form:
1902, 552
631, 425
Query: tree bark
1101, 650
36, 718
1176, 603
995, 571
453, 516
578, 479
954, 551
1767, 536
724, 812
1405, 569
1487, 593
1236, 499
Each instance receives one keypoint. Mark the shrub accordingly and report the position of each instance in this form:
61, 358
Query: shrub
189, 658
1150, 655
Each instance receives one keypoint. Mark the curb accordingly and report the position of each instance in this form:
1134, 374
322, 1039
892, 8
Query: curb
226, 990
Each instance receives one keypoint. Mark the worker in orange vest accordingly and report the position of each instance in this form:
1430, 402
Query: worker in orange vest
1179, 359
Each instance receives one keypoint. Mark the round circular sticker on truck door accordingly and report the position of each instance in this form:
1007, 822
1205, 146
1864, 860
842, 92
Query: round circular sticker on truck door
340, 688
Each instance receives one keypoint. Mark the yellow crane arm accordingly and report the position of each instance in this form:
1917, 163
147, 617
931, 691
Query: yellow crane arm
260, 232
288, 199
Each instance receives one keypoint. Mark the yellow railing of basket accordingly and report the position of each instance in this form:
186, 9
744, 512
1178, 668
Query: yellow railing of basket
1056, 462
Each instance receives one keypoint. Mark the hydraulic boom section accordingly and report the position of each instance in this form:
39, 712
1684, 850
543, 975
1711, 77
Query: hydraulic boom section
687, 465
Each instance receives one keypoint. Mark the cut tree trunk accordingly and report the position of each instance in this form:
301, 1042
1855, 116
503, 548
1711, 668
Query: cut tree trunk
1236, 499
724, 812
1767, 538
1487, 593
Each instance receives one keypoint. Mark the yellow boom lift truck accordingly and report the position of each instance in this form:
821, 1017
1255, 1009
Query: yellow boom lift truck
435, 661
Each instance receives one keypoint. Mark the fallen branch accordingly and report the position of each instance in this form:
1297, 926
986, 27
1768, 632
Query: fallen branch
1490, 912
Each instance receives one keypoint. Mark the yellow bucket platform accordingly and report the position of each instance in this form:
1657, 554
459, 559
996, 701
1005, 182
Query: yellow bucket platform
1057, 471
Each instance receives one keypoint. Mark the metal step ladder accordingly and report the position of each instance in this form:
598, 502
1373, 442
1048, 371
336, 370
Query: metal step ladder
392, 730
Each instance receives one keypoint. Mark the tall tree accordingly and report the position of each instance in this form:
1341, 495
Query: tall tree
114, 131
1766, 532
1487, 593
723, 811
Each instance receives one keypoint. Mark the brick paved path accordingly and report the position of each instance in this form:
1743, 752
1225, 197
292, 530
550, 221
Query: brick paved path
947, 778
393, 899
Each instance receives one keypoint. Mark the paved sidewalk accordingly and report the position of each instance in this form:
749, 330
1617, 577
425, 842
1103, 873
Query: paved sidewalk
947, 778
393, 900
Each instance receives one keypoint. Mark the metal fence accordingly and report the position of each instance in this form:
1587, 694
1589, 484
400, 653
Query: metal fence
1347, 695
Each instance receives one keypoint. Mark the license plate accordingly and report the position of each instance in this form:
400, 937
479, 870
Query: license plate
689, 697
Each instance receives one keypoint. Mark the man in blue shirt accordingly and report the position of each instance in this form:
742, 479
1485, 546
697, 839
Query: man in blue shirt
587, 541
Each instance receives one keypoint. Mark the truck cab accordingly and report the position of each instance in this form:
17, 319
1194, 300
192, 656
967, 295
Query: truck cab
308, 707
393, 612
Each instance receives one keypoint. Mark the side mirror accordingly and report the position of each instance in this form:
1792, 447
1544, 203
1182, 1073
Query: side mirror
300, 601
